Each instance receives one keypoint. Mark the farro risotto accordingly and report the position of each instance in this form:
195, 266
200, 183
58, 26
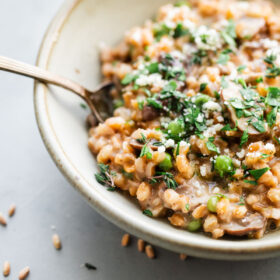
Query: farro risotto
195, 134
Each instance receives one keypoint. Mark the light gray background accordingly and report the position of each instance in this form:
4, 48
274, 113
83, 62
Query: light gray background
30, 179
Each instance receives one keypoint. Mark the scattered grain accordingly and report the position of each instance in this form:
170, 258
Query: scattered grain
183, 257
150, 252
2, 220
6, 268
24, 273
56, 241
125, 240
141, 245
12, 210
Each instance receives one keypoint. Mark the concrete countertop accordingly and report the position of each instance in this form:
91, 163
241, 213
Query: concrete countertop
45, 199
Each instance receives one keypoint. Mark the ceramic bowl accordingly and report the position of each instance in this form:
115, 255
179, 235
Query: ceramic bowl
71, 48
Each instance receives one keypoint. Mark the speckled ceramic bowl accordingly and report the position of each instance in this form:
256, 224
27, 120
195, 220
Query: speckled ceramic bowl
70, 48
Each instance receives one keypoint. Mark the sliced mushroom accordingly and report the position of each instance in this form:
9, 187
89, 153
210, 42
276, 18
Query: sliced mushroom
138, 146
149, 113
249, 26
250, 223
233, 92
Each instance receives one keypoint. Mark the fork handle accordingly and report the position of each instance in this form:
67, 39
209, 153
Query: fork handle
17, 67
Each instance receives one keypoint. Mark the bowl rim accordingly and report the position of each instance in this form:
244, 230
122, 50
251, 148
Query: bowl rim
229, 250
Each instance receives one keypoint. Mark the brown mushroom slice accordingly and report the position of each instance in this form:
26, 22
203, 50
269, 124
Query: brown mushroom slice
138, 146
249, 26
233, 92
250, 223
149, 113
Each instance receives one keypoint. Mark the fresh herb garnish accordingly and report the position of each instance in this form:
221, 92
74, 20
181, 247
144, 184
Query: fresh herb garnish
277, 140
241, 68
198, 56
105, 176
187, 206
224, 83
271, 116
211, 146
202, 87
146, 151
227, 127
264, 156
180, 31
127, 174
257, 173
224, 57
148, 213
140, 103
259, 126
229, 34
166, 177
129, 78
83, 106
153, 68
241, 201
244, 138
272, 70
251, 182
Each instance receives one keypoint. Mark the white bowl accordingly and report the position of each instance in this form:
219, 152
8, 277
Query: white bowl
70, 48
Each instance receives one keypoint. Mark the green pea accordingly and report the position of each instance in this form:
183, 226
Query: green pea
200, 99
223, 164
166, 164
212, 203
194, 225
176, 127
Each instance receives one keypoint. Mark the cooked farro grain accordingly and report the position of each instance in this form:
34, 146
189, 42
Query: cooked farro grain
141, 245
3, 221
183, 257
195, 135
56, 241
125, 240
150, 252
24, 273
6, 269
12, 210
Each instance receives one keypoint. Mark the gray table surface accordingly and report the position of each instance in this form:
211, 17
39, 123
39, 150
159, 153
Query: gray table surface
30, 179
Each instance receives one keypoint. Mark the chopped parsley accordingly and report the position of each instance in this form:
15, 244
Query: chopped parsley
211, 146
153, 68
83, 106
229, 34
272, 70
198, 56
148, 213
244, 138
227, 127
127, 174
241, 201
146, 151
202, 87
241, 68
251, 182
224, 82
257, 173
224, 57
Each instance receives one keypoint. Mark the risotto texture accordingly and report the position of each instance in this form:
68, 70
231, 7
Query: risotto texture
196, 126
